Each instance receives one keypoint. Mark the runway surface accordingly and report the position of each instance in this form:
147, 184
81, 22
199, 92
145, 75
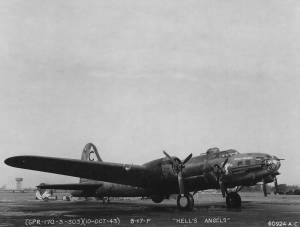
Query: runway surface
20, 209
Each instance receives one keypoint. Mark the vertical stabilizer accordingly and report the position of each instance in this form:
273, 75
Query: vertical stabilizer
89, 153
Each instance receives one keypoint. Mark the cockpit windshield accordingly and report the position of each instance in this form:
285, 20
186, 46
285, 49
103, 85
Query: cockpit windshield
228, 153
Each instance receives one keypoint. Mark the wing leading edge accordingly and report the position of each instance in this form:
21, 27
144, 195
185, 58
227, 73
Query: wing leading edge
134, 175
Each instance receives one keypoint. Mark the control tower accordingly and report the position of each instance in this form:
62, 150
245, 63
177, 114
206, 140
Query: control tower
19, 183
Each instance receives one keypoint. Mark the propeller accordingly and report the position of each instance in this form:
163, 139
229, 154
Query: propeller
264, 184
178, 166
264, 188
275, 185
219, 173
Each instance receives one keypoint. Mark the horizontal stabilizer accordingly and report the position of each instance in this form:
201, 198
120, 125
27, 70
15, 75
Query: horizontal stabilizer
75, 186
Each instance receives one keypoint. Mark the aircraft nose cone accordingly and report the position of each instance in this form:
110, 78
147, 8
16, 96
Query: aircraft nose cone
273, 163
278, 164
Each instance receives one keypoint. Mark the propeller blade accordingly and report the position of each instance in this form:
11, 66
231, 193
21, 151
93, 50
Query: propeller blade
225, 162
169, 157
222, 188
265, 188
187, 159
275, 185
166, 154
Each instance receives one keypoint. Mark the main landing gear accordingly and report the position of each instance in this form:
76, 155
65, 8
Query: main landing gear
185, 202
233, 200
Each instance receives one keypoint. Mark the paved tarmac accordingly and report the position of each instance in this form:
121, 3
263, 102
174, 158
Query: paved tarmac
20, 209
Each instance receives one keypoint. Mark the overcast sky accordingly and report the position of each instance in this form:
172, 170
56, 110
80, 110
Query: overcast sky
138, 77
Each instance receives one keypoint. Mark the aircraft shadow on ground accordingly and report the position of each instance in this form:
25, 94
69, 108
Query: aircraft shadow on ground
141, 209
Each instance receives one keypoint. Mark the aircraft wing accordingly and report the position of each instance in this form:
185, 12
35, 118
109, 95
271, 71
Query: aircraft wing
76, 186
134, 175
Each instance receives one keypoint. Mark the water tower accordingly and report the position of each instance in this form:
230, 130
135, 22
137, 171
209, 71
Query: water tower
19, 183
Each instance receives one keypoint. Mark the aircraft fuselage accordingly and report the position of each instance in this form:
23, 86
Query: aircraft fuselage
240, 170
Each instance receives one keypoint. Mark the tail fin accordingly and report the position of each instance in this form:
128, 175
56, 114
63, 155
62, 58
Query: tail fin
90, 153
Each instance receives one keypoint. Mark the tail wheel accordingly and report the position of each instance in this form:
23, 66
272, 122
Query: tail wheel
185, 202
233, 200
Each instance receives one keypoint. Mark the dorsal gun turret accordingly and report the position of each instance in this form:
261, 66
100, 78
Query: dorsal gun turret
213, 152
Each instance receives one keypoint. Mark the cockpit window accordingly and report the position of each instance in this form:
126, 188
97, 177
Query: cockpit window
228, 153
233, 152
216, 153
240, 163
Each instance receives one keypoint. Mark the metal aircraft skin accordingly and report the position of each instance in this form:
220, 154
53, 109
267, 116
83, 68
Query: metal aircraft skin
226, 170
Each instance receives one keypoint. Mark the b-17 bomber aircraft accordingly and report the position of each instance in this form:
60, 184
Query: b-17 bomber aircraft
226, 170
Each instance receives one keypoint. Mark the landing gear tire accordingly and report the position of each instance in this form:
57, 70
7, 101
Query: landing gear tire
185, 202
233, 200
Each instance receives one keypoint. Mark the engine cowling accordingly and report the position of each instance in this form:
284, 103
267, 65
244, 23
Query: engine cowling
168, 170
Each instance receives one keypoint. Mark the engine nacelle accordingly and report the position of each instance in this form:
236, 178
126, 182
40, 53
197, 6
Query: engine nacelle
168, 170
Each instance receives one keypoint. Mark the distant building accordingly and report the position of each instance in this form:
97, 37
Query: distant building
3, 187
19, 181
